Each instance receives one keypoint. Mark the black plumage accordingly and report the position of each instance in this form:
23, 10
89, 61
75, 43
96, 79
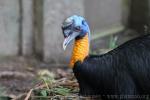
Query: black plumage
122, 71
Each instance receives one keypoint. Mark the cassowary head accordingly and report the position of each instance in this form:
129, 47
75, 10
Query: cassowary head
74, 27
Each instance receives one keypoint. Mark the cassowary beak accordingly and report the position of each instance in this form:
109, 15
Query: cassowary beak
68, 39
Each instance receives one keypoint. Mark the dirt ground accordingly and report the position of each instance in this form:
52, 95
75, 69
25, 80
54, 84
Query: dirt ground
19, 74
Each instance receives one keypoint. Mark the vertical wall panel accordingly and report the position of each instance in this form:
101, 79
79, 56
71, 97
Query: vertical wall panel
103, 13
27, 27
9, 27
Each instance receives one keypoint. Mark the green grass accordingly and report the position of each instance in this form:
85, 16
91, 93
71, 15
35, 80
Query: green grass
113, 42
51, 89
2, 91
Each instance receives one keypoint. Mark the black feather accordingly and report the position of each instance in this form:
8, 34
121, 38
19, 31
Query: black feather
122, 71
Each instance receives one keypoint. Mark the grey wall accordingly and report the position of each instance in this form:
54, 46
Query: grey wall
103, 14
33, 27
9, 25
26, 27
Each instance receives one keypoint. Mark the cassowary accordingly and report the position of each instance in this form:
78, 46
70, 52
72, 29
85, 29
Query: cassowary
122, 71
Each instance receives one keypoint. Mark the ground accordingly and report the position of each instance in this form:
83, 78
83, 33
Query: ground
19, 74
13, 75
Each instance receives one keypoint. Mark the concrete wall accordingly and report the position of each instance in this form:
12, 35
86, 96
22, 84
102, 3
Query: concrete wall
33, 27
103, 13
29, 27
38, 28
9, 27
26, 26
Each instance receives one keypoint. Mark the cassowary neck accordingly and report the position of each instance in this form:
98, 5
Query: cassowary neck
80, 50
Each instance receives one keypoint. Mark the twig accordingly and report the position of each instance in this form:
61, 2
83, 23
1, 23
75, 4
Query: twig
28, 94
9, 74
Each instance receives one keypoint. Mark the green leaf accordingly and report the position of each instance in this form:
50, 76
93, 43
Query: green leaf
113, 41
2, 91
62, 91
43, 93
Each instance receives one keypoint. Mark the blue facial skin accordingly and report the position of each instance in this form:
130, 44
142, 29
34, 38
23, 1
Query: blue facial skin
79, 24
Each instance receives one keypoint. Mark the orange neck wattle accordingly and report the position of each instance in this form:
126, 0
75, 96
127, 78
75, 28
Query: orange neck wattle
80, 50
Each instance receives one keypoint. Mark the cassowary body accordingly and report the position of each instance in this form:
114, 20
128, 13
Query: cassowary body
122, 71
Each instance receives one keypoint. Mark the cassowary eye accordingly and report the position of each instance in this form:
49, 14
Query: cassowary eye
67, 32
78, 28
